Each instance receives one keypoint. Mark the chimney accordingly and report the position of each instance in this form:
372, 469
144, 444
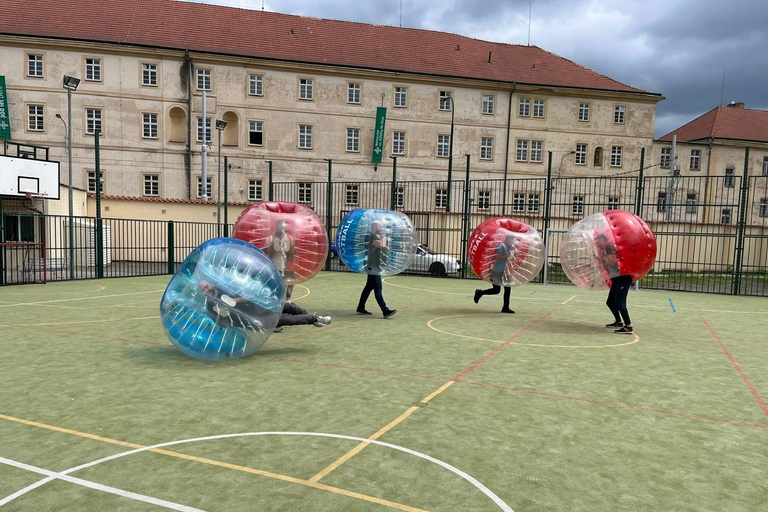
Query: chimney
740, 104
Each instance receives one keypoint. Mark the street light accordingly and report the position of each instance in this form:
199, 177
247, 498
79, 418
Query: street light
560, 167
450, 157
70, 83
220, 125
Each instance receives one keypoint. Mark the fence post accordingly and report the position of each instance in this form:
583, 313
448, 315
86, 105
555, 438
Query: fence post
271, 189
465, 222
328, 206
547, 200
226, 196
640, 183
2, 239
99, 221
171, 258
393, 199
742, 222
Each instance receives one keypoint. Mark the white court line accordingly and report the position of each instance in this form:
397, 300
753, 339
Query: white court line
498, 501
79, 298
52, 475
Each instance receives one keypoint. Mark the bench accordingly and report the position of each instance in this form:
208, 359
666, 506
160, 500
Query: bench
54, 265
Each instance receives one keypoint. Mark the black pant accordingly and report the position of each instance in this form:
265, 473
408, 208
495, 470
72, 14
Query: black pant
496, 290
617, 298
373, 284
295, 315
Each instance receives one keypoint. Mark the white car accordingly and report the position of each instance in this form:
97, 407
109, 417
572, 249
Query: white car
436, 264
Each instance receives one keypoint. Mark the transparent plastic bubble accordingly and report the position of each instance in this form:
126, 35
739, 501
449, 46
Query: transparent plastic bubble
291, 234
223, 302
506, 252
379, 242
606, 245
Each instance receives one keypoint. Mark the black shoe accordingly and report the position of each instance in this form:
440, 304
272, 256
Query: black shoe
389, 313
507, 310
478, 294
615, 324
363, 312
627, 329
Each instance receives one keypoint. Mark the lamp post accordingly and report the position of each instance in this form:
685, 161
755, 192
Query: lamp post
560, 167
70, 83
220, 125
450, 157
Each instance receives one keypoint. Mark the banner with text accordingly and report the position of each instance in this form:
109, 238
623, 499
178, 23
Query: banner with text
5, 118
378, 134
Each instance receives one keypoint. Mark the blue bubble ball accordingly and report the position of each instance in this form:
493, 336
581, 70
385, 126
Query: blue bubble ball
379, 242
223, 302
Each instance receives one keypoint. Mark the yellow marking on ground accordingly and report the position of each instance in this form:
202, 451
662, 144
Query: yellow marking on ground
386, 280
103, 321
431, 326
357, 449
303, 296
61, 307
568, 300
245, 469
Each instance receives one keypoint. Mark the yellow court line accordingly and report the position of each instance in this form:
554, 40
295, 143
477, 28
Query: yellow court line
635, 339
245, 469
309, 292
357, 449
568, 300
108, 320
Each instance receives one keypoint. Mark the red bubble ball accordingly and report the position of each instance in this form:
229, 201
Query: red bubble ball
506, 252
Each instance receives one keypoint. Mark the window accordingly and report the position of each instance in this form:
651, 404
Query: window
522, 151
149, 125
441, 198
578, 205
613, 203
584, 111
256, 85
399, 197
19, 228
666, 158
353, 93
661, 204
524, 107
445, 100
93, 121
765, 166
484, 200
581, 154
203, 79
35, 118
353, 195
305, 192
725, 216
486, 148
730, 179
256, 133
695, 159
533, 203
34, 65
353, 140
401, 97
398, 143
255, 189
207, 129
305, 136
518, 202
619, 114
690, 203
443, 143
598, 161
93, 70
764, 207
306, 89
151, 184
538, 109
149, 75
616, 156
537, 151
208, 186
488, 103
91, 175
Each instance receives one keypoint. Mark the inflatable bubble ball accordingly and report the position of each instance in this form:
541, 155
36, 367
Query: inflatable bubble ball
379, 242
506, 252
291, 234
223, 302
605, 245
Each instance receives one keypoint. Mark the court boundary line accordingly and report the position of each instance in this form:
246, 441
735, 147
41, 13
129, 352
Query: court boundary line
78, 298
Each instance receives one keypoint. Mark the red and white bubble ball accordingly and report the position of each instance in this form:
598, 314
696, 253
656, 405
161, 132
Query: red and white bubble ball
292, 235
506, 252
606, 245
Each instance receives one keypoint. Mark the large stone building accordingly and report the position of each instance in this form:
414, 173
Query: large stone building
298, 91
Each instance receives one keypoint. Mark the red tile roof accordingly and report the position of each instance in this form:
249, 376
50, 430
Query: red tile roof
725, 123
275, 36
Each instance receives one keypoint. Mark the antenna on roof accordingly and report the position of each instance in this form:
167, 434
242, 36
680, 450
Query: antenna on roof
401, 13
262, 5
722, 88
529, 24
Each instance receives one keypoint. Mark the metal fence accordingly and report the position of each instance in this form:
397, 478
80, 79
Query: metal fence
712, 231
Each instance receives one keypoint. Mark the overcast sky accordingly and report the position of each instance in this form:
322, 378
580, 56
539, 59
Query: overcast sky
678, 48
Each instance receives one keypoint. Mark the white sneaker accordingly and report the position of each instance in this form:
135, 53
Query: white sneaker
322, 320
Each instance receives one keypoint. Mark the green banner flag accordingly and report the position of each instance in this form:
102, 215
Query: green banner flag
5, 118
378, 134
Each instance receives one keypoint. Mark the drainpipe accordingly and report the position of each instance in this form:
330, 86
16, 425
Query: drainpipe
188, 156
506, 152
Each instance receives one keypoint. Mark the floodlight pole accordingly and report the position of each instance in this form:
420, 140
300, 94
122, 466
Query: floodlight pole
204, 167
450, 158
218, 186
71, 201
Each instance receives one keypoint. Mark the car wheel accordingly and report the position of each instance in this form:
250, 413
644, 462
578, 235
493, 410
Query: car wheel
437, 269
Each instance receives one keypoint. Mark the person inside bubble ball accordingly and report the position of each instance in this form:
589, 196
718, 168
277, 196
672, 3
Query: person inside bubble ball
218, 305
617, 295
504, 253
377, 249
293, 314
280, 250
